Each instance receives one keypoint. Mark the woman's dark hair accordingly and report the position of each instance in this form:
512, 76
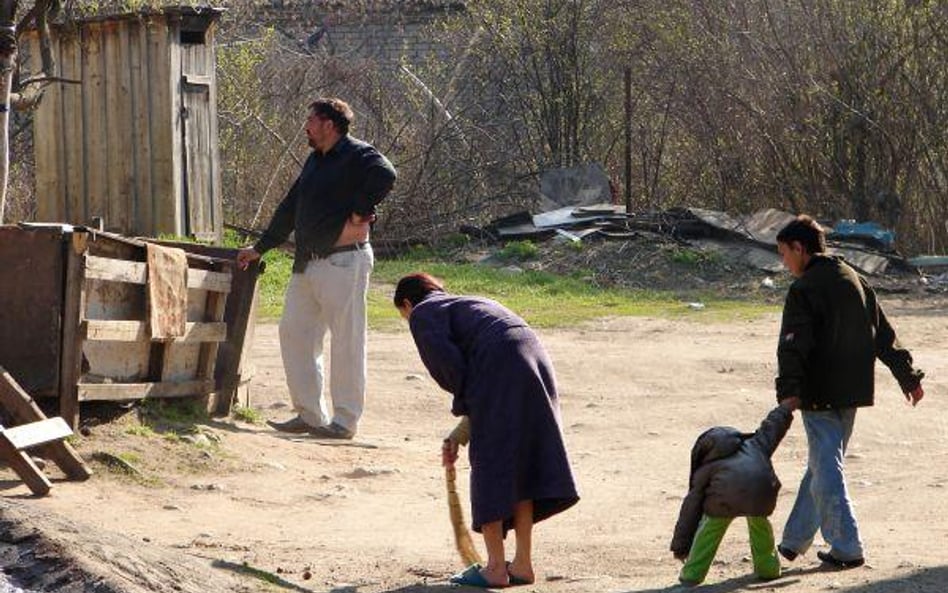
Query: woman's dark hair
335, 110
415, 287
806, 231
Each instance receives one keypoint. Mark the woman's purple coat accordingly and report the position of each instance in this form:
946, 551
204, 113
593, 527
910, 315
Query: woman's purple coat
502, 379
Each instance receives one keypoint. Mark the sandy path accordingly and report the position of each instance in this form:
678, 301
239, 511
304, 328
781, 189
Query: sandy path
371, 517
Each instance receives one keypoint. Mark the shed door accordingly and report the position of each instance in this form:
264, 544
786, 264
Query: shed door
198, 171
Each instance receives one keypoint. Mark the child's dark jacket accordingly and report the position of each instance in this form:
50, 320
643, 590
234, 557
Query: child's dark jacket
731, 476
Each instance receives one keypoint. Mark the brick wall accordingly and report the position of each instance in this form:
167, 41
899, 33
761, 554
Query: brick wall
385, 31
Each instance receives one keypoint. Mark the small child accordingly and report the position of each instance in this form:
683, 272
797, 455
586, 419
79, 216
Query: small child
731, 476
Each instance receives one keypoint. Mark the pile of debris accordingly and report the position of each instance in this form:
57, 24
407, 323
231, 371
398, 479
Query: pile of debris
736, 249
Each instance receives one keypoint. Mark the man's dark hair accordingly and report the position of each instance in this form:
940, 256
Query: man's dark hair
335, 110
806, 231
415, 287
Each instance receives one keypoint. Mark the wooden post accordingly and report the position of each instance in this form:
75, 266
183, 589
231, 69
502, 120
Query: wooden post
74, 304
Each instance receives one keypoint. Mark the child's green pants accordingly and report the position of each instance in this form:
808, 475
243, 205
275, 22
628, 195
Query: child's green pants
711, 531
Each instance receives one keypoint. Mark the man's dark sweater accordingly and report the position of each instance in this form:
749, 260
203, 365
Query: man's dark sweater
352, 177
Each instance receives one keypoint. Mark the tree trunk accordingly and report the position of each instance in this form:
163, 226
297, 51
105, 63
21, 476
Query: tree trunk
7, 64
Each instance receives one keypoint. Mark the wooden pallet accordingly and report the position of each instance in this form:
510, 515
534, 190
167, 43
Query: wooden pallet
33, 430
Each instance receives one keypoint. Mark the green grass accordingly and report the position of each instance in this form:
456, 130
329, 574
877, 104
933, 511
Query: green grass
249, 415
543, 299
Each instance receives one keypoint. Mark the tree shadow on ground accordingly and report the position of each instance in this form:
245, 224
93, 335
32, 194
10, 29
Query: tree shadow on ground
927, 580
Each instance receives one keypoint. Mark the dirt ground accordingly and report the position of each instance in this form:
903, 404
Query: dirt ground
266, 512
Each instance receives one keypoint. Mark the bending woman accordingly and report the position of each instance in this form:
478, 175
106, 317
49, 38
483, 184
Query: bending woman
502, 379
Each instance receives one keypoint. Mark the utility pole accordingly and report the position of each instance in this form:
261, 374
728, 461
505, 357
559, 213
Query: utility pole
628, 140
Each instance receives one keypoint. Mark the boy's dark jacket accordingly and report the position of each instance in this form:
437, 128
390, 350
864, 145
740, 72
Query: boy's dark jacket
833, 330
731, 476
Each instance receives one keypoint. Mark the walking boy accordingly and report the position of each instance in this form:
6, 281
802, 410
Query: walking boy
833, 330
731, 476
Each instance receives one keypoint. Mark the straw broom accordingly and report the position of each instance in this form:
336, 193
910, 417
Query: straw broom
462, 537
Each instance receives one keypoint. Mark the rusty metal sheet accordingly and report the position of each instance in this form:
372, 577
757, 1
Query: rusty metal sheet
31, 294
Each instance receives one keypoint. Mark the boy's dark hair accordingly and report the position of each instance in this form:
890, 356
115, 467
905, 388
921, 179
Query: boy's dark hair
806, 231
335, 110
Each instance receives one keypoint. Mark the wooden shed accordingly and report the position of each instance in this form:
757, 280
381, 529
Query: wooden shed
131, 136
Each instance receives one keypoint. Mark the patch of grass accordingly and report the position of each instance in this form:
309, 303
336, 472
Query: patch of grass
140, 430
176, 412
543, 299
130, 457
273, 281
692, 257
248, 414
516, 251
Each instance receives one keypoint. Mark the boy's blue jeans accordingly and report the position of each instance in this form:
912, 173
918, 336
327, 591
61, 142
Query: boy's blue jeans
823, 502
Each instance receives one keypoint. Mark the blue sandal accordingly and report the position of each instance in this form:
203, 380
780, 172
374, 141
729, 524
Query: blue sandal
472, 577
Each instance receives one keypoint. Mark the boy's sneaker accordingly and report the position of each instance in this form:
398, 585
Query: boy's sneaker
828, 558
787, 553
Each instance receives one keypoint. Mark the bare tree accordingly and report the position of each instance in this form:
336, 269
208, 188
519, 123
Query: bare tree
8, 55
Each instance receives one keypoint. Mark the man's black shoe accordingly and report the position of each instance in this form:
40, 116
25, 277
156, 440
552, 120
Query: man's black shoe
293, 426
828, 558
787, 553
332, 431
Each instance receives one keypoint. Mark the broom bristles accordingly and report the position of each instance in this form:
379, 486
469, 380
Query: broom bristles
462, 537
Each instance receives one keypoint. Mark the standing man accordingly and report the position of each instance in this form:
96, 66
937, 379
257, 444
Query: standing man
833, 329
330, 207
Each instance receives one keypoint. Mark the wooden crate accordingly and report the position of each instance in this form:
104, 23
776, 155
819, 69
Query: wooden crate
96, 331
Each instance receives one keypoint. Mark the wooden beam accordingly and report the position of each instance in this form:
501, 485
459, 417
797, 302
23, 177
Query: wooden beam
37, 433
102, 330
134, 272
116, 270
207, 280
74, 307
21, 408
131, 391
24, 467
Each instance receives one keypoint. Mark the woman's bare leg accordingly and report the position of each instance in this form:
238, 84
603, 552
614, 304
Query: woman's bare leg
496, 570
522, 564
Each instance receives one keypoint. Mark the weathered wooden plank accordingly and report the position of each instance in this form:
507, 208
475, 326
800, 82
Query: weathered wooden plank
37, 433
120, 168
216, 199
74, 200
141, 130
24, 467
131, 391
117, 270
115, 331
213, 310
74, 304
164, 120
94, 122
196, 154
137, 331
196, 79
47, 141
208, 280
21, 408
